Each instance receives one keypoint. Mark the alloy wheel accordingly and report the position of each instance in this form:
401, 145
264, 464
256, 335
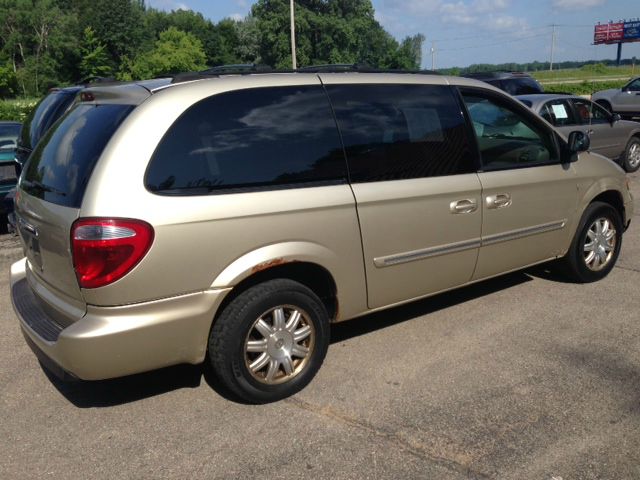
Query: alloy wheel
599, 244
279, 344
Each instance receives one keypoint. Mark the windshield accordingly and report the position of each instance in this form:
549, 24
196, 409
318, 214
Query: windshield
8, 135
60, 166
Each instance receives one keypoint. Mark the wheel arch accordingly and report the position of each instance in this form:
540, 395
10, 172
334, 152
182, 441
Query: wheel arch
613, 198
304, 262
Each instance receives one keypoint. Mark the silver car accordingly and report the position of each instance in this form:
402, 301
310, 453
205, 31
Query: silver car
610, 136
232, 218
624, 101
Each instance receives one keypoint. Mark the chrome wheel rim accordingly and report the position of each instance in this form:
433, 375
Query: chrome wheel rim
633, 155
279, 344
600, 244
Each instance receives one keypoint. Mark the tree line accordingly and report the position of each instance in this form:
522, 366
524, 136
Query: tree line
536, 66
45, 43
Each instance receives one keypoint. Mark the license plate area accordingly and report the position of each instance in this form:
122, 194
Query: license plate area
30, 242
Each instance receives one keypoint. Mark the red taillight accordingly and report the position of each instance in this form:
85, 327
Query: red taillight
106, 249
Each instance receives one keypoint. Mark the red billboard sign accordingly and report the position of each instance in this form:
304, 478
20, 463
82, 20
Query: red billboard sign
616, 32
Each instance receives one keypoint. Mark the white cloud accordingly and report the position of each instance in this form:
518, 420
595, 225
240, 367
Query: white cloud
467, 13
168, 5
581, 4
482, 6
507, 23
414, 7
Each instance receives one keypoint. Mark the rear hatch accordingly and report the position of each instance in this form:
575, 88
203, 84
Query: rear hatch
50, 196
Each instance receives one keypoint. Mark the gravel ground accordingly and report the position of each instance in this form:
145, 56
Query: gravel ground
524, 376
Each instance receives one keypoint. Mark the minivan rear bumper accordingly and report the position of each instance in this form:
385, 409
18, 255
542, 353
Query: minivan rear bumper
110, 342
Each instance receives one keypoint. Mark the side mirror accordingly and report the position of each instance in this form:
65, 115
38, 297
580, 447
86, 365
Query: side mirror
579, 142
615, 118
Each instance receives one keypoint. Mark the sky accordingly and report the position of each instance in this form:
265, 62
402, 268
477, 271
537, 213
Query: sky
464, 32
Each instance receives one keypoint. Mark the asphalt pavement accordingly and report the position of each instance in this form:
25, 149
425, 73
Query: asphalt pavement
522, 377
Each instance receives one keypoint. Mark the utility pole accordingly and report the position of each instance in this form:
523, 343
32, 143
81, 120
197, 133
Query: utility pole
553, 45
293, 38
433, 55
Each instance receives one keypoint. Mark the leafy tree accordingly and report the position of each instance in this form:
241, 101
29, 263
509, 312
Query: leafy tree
119, 24
247, 48
8, 81
95, 60
175, 51
35, 40
331, 31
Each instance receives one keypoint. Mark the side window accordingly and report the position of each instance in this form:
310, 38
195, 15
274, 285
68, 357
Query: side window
546, 113
394, 132
590, 112
561, 113
506, 138
634, 86
254, 138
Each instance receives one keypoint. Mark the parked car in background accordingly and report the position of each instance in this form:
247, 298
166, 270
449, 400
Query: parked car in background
8, 174
610, 136
45, 113
234, 217
55, 104
625, 100
514, 83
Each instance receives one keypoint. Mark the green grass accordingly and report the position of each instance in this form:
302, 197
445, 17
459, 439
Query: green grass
16, 109
587, 72
583, 88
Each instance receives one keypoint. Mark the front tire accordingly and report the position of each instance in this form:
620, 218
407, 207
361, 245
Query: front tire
631, 155
596, 244
270, 341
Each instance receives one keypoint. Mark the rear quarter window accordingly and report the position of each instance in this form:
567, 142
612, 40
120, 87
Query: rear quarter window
261, 138
61, 165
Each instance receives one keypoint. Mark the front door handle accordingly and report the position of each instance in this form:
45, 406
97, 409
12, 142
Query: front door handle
468, 205
500, 200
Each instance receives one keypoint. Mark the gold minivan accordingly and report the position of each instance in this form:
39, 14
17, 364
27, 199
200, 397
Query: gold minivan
233, 217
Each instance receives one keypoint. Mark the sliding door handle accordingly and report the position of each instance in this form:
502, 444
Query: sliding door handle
500, 200
468, 205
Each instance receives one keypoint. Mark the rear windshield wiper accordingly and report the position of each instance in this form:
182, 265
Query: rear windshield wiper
36, 185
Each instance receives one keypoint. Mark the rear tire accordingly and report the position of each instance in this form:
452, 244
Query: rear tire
4, 223
269, 342
631, 156
596, 244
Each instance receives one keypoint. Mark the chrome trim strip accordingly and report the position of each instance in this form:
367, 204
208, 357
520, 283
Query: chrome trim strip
456, 247
423, 253
523, 232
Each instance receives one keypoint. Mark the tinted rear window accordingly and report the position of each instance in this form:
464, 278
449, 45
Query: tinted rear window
520, 86
60, 166
9, 131
248, 139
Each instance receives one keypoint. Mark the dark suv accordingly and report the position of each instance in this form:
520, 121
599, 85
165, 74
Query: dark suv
42, 117
514, 83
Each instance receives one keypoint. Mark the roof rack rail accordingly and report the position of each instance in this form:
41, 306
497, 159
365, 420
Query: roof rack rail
237, 67
95, 79
250, 68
